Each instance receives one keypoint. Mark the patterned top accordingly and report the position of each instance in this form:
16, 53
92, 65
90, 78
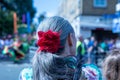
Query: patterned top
91, 72
26, 74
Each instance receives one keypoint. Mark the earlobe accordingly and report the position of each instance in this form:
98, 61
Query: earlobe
70, 40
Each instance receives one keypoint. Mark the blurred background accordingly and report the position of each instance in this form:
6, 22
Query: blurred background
19, 20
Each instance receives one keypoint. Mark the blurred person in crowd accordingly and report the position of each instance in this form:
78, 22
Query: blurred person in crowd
92, 53
92, 49
55, 57
1, 44
117, 43
34, 41
89, 70
111, 66
90, 45
81, 48
103, 48
25, 43
30, 39
10, 39
86, 41
18, 49
80, 53
15, 50
91, 42
111, 44
6, 41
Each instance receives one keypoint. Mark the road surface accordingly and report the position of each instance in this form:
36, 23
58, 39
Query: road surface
10, 70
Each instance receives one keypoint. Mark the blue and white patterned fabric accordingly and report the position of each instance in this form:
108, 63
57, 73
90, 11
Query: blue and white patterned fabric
92, 72
26, 74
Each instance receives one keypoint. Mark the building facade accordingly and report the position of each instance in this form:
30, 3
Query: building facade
69, 9
98, 7
89, 17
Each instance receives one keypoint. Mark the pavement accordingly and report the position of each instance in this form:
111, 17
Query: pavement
10, 70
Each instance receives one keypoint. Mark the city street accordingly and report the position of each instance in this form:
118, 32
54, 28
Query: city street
10, 70
60, 39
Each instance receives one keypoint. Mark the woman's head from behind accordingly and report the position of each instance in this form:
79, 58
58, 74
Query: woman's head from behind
112, 65
56, 39
65, 30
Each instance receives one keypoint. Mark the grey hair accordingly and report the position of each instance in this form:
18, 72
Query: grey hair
48, 66
111, 67
57, 24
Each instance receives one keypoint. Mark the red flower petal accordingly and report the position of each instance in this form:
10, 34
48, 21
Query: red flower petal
49, 41
40, 33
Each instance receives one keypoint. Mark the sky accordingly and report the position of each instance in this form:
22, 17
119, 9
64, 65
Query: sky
48, 6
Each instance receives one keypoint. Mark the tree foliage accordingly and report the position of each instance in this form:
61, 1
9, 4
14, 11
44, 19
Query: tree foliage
41, 17
24, 7
6, 23
19, 6
7, 7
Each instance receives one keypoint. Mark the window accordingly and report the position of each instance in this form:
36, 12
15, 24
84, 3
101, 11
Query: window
100, 3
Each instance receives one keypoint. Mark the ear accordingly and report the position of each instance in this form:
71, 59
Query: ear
70, 40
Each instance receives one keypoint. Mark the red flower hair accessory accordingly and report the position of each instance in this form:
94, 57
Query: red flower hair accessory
48, 41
